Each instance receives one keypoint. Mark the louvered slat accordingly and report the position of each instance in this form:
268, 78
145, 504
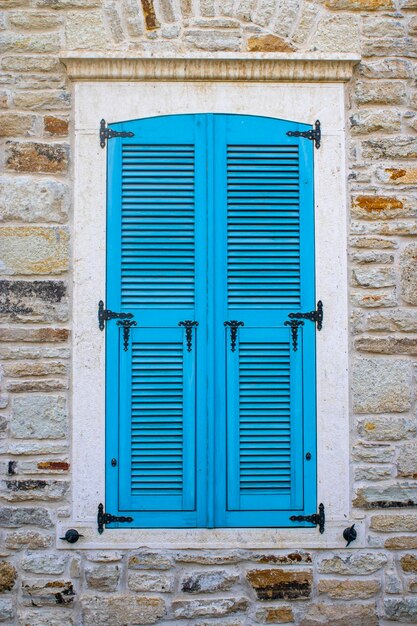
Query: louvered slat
263, 226
158, 248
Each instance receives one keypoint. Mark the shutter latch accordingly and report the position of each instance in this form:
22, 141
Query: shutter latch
188, 325
313, 316
109, 133
105, 518
316, 518
105, 314
233, 325
313, 135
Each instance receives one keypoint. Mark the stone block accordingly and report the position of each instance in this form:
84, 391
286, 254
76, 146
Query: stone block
407, 460
279, 584
408, 274
386, 428
369, 257
386, 68
349, 589
30, 200
145, 559
394, 523
40, 417
40, 385
372, 474
223, 557
22, 369
391, 496
395, 148
42, 467
409, 563
42, 335
381, 92
38, 20
121, 609
17, 124
372, 242
17, 448
374, 299
274, 615
209, 581
336, 33
382, 207
381, 385
213, 40
106, 556
43, 101
86, 31
28, 490
398, 176
54, 125
406, 542
353, 564
364, 122
374, 277
103, 577
27, 539
289, 558
359, 5
44, 564
401, 609
373, 453
41, 43
45, 617
269, 43
214, 607
7, 607
34, 250
34, 301
351, 614
47, 158
68, 4
387, 345
47, 593
27, 63
8, 575
286, 17
150, 581
12, 517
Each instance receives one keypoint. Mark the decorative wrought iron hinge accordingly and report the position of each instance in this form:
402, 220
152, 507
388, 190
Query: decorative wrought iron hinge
313, 316
109, 133
126, 325
313, 135
294, 331
188, 325
105, 314
233, 325
317, 518
105, 518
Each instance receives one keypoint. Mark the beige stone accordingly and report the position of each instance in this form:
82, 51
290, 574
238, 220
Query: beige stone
387, 345
374, 299
33, 43
15, 124
408, 276
103, 577
372, 242
41, 100
150, 581
378, 207
146, 559
359, 5
25, 63
355, 563
386, 68
56, 126
406, 542
337, 33
213, 607
36, 20
49, 335
399, 176
279, 584
41, 593
8, 575
381, 92
22, 369
373, 277
275, 615
397, 495
386, 428
407, 460
28, 490
27, 200
395, 148
37, 157
33, 250
86, 31
409, 563
394, 523
399, 320
269, 43
31, 539
364, 122
121, 609
340, 615
349, 589
381, 385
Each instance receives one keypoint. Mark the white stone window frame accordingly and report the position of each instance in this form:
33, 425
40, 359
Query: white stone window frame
291, 88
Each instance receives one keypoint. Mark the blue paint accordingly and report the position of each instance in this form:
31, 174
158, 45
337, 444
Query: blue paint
210, 218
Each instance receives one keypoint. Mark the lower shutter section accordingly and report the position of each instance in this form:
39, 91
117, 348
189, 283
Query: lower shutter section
158, 426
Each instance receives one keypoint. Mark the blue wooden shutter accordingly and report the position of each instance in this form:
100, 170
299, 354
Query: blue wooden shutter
265, 411
156, 270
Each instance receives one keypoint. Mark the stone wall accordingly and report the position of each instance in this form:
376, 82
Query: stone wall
360, 587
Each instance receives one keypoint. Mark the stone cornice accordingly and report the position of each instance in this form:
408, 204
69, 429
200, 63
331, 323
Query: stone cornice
313, 67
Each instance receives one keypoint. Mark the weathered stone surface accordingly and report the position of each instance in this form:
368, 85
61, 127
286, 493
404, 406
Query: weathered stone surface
33, 250
149, 581
219, 557
86, 31
372, 242
30, 335
381, 207
7, 608
406, 542
392, 581
8, 575
393, 496
41, 417
399, 176
41, 385
42, 467
364, 122
275, 615
373, 453
68, 4
121, 609
356, 564
401, 609
34, 21
30, 539
25, 63
374, 299
213, 40
29, 200
374, 277
381, 92
37, 42
269, 43
215, 607
12, 517
24, 490
387, 428
47, 593
55, 126
37, 157
407, 460
45, 618
387, 345
17, 124
349, 589
145, 559
35, 301
394, 523
408, 277
359, 5
386, 321
395, 148
386, 68
208, 581
22, 369
103, 577
279, 584
371, 474
32, 447
44, 564
340, 615
337, 33
42, 101
289, 558
409, 563
381, 385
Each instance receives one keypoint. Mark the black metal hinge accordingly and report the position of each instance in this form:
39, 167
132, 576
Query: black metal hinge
105, 314
313, 316
105, 518
313, 135
109, 133
316, 518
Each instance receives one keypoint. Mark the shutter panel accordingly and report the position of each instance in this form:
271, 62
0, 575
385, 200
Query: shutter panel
156, 248
265, 270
